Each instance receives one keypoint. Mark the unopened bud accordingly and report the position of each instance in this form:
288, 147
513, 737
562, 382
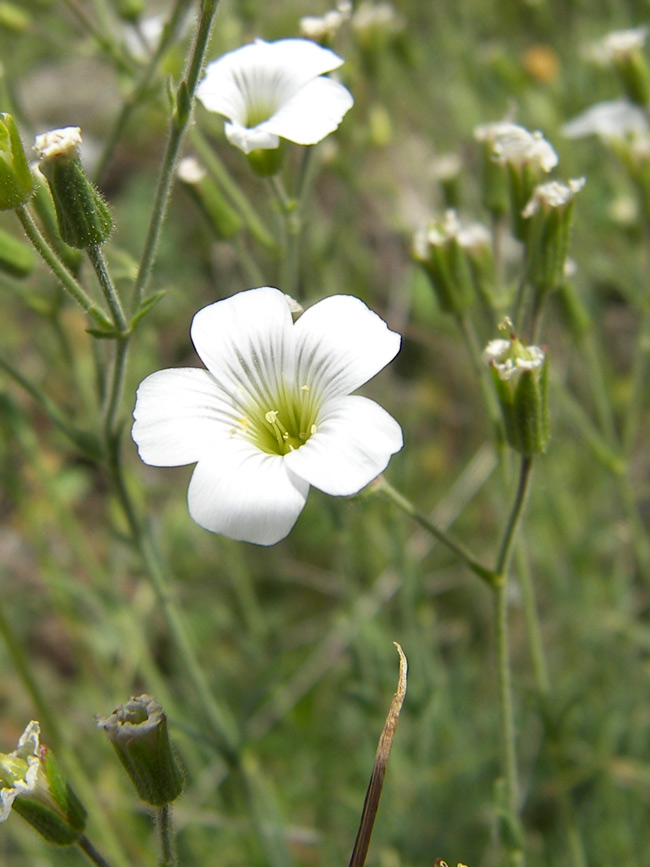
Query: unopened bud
16, 181
225, 221
138, 733
82, 214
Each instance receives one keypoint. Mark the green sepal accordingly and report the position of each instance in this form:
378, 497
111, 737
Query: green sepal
105, 333
83, 216
49, 824
129, 10
266, 161
157, 776
64, 796
451, 276
525, 410
16, 180
16, 258
549, 238
224, 220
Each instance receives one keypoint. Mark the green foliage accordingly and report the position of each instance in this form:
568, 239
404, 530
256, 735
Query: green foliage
295, 642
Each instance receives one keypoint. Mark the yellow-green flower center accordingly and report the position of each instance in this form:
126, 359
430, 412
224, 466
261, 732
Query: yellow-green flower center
284, 425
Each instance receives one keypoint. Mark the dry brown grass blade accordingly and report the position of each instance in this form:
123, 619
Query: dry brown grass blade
376, 784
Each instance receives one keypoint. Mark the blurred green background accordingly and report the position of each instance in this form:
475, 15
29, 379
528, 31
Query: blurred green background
297, 639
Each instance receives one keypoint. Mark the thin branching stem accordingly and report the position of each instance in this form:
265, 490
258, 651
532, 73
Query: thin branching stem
178, 125
65, 278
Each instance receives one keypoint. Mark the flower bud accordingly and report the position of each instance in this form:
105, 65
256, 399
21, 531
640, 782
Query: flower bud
225, 222
83, 216
138, 732
520, 377
16, 181
550, 209
32, 783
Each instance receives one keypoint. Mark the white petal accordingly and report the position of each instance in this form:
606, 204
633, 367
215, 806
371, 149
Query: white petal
340, 345
614, 118
312, 113
248, 140
246, 342
179, 416
260, 73
246, 495
353, 444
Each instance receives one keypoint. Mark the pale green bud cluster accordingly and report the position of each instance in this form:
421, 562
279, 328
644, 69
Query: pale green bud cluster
138, 732
456, 258
623, 50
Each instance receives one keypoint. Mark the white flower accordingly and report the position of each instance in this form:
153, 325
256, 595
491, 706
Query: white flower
554, 194
470, 236
273, 413
613, 119
517, 146
618, 45
273, 90
511, 357
19, 770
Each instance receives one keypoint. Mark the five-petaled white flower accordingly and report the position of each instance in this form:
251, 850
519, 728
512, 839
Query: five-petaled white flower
273, 90
273, 413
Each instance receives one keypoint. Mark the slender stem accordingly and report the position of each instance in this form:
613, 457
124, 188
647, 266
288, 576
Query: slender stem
63, 276
92, 854
223, 727
142, 85
232, 190
178, 125
114, 390
108, 288
508, 739
166, 831
408, 508
639, 381
504, 673
516, 513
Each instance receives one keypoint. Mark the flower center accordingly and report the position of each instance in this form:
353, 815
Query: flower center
283, 426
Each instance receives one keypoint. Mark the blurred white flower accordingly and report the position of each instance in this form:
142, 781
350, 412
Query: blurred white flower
617, 45
273, 90
273, 413
554, 194
370, 17
19, 770
517, 146
613, 119
324, 27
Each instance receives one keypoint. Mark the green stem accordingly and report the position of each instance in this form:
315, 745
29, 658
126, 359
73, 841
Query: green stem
114, 391
178, 125
289, 235
223, 727
63, 276
91, 853
639, 381
108, 288
166, 831
504, 673
232, 191
142, 85
408, 508
514, 519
